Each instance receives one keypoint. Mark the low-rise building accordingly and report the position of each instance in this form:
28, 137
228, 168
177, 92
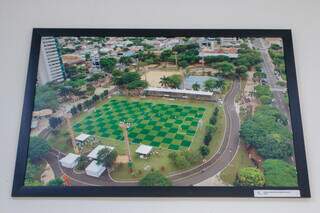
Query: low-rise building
69, 161
94, 169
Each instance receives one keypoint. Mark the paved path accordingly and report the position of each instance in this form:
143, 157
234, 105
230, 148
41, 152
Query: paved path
193, 176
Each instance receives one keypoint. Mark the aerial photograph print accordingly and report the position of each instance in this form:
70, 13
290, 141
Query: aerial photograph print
161, 111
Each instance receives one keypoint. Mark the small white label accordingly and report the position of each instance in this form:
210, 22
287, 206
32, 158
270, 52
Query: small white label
276, 193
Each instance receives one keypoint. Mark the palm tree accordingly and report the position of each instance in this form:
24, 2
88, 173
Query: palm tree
164, 81
196, 86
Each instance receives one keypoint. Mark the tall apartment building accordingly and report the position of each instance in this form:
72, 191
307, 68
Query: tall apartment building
50, 66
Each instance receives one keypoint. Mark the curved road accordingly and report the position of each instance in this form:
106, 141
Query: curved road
227, 149
213, 166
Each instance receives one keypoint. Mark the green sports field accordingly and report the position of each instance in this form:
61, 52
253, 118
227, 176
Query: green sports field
156, 124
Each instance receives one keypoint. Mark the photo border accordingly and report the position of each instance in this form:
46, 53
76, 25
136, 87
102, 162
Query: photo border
19, 190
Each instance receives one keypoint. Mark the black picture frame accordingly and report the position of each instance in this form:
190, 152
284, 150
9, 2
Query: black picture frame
19, 190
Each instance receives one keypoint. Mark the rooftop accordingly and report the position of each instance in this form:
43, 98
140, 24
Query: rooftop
182, 91
82, 137
69, 158
94, 153
144, 149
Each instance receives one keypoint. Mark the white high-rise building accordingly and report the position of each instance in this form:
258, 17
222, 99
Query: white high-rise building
50, 65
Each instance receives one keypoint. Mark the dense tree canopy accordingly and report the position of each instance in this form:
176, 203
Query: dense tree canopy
46, 97
266, 131
166, 55
130, 80
250, 176
155, 178
279, 173
212, 84
37, 148
56, 182
187, 54
214, 59
226, 69
108, 64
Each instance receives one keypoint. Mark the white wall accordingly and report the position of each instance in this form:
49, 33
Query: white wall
17, 18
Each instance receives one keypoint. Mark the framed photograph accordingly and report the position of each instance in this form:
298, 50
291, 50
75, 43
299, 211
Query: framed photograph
161, 112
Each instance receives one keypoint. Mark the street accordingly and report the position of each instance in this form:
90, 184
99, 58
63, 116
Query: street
268, 68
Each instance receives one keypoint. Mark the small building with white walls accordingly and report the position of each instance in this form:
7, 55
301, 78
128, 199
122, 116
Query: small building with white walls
94, 169
83, 139
69, 161
144, 150
94, 153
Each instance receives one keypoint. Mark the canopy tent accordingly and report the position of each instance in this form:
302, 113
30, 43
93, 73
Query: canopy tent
69, 161
94, 153
94, 169
82, 137
144, 149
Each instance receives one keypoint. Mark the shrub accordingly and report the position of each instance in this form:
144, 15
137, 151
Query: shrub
204, 150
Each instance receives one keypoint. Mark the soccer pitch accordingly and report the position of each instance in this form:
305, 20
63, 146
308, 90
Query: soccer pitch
164, 125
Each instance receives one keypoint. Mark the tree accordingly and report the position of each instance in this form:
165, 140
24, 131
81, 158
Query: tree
108, 64
46, 97
79, 107
226, 69
166, 55
274, 147
196, 86
56, 182
74, 110
178, 160
54, 122
137, 84
38, 147
265, 99
262, 90
278, 173
242, 71
204, 150
83, 162
87, 56
126, 60
184, 159
250, 176
266, 131
155, 178
175, 81
106, 157
164, 81
214, 59
207, 138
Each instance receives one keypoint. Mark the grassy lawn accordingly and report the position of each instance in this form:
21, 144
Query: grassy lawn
61, 140
157, 124
161, 162
228, 175
145, 126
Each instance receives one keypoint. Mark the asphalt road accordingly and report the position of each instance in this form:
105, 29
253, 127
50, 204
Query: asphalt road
268, 68
213, 166
226, 151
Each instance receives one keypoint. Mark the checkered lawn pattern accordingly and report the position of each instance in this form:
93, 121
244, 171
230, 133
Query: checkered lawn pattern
158, 125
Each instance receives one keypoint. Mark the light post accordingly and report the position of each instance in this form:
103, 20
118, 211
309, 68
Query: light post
124, 126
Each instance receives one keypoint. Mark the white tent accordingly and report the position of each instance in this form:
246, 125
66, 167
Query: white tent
94, 153
94, 169
82, 137
144, 149
69, 161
